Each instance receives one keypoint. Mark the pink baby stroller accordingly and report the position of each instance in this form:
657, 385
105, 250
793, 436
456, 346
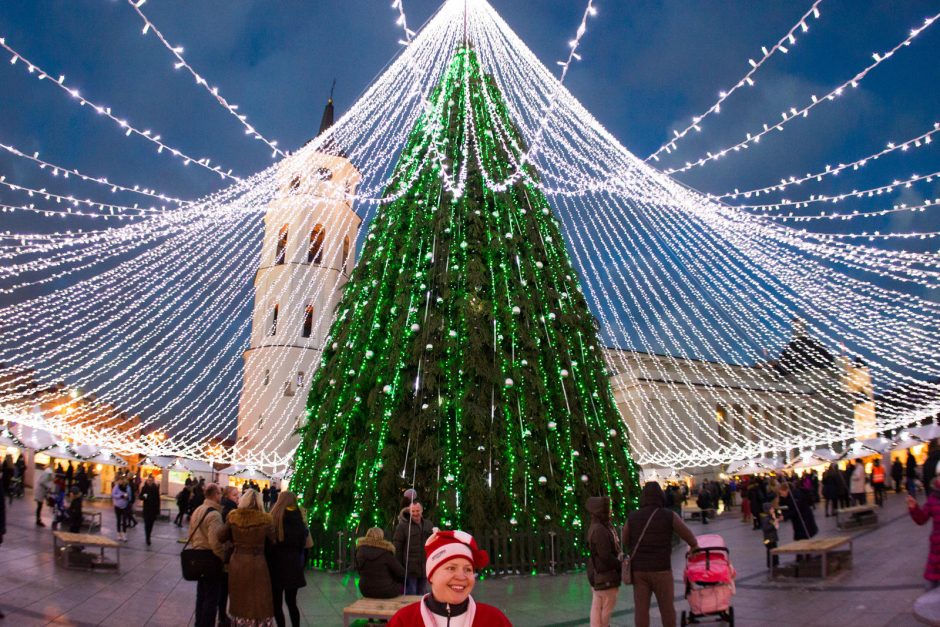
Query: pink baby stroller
709, 582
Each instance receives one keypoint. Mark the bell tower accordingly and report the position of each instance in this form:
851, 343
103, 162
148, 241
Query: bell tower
306, 258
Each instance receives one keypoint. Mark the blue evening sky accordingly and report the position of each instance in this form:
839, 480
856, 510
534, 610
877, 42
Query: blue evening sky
648, 67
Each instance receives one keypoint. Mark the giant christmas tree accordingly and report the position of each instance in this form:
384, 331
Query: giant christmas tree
463, 359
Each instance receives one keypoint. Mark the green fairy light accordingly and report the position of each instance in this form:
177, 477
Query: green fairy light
465, 361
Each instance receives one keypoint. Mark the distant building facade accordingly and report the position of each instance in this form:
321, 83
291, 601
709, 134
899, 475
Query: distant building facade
728, 407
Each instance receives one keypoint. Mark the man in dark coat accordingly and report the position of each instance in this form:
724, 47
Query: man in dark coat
197, 497
799, 510
75, 510
830, 489
381, 576
150, 497
756, 502
704, 502
647, 539
412, 532
930, 465
846, 481
182, 503
897, 474
911, 474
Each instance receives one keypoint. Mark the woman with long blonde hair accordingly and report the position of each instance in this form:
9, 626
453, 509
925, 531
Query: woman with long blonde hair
286, 556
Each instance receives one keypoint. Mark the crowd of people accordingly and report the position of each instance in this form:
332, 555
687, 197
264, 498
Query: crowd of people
261, 554
260, 539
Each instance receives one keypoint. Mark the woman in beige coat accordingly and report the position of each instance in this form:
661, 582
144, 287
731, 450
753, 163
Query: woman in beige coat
249, 584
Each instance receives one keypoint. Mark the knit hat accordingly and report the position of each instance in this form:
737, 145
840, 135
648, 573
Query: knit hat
444, 546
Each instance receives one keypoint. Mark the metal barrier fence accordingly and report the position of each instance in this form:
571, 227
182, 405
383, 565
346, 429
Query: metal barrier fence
546, 551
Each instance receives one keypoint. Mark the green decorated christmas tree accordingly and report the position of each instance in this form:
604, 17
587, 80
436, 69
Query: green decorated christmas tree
463, 360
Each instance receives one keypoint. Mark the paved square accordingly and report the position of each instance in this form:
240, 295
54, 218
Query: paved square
879, 590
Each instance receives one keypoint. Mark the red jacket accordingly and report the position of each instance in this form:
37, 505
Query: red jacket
484, 616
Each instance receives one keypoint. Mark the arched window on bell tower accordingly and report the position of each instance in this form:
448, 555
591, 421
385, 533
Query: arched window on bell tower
345, 251
274, 320
308, 321
280, 254
315, 251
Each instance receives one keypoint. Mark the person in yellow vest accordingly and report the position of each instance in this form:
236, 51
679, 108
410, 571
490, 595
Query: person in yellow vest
878, 483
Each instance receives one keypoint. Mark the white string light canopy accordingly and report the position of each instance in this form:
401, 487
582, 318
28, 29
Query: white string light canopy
145, 318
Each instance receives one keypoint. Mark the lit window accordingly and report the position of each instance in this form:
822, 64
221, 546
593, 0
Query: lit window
274, 320
345, 252
308, 321
280, 254
315, 251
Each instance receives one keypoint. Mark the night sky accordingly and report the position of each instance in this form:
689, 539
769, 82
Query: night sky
647, 68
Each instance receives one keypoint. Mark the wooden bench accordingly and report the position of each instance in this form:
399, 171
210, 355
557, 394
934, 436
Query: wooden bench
91, 520
858, 516
830, 551
67, 547
376, 608
694, 512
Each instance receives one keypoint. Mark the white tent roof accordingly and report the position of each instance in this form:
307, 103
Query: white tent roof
753, 466
250, 473
107, 458
158, 461
926, 432
192, 465
32, 437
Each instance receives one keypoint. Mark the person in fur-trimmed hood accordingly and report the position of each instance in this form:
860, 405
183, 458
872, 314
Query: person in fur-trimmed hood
249, 583
381, 575
452, 563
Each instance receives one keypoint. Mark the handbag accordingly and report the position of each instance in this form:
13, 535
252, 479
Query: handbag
199, 563
626, 567
608, 579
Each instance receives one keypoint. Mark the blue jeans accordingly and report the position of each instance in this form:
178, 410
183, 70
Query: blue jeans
207, 601
416, 585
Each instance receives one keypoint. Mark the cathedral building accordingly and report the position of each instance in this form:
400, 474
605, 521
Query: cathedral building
665, 399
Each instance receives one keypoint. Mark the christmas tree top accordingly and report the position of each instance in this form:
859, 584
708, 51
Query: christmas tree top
463, 360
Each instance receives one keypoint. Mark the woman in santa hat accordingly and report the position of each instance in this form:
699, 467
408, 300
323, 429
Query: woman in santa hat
453, 560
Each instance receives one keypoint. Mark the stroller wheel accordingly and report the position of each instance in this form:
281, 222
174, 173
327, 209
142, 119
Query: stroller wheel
682, 621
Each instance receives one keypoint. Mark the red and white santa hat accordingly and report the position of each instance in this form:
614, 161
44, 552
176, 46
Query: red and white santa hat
444, 546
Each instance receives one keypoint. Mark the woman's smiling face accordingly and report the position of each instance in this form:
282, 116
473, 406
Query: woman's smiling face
453, 581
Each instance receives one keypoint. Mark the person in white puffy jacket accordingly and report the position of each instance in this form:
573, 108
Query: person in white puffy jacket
857, 485
42, 490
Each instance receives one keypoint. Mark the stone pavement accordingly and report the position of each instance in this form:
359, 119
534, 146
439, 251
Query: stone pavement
879, 590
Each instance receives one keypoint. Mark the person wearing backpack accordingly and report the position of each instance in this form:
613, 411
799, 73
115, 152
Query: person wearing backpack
647, 540
603, 566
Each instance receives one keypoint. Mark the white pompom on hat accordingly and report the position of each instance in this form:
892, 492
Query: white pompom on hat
444, 546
